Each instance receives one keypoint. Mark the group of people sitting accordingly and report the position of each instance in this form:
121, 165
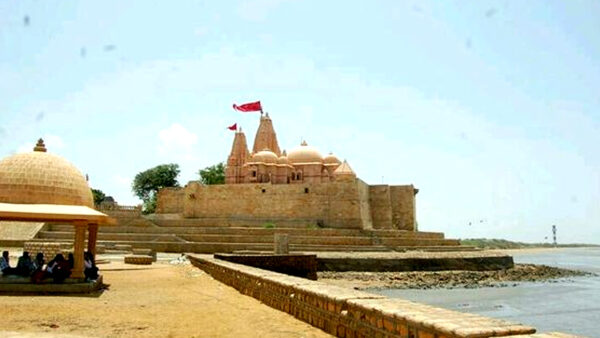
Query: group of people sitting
58, 268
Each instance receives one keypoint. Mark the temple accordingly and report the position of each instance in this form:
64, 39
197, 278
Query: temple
267, 163
269, 184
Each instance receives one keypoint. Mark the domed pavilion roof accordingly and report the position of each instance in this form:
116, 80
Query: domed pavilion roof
331, 159
283, 159
305, 154
41, 178
265, 156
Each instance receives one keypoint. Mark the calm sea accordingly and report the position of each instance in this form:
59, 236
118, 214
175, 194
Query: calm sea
569, 305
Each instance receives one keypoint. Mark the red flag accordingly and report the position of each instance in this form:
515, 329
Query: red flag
247, 107
232, 127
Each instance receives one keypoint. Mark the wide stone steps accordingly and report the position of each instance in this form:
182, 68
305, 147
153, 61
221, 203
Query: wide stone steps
172, 234
263, 238
258, 231
262, 247
246, 223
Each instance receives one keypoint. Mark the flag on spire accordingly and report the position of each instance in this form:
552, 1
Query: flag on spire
248, 107
232, 127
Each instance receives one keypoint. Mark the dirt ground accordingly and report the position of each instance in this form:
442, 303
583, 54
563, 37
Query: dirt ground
161, 300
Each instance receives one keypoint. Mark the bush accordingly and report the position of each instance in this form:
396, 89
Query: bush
268, 225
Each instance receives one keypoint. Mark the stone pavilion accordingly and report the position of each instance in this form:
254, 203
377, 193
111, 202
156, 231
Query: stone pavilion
42, 187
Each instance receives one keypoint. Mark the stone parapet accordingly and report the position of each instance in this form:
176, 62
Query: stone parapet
349, 313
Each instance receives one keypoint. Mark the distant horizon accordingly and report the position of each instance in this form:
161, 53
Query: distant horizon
490, 109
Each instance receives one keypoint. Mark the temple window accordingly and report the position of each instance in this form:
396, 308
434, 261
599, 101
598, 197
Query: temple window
264, 190
254, 174
306, 190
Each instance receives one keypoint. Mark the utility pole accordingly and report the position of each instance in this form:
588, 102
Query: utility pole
554, 234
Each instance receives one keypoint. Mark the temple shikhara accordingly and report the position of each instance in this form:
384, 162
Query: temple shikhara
299, 186
266, 163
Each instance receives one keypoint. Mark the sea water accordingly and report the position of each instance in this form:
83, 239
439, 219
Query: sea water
570, 305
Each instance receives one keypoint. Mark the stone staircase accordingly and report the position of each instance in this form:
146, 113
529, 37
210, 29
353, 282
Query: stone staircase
185, 235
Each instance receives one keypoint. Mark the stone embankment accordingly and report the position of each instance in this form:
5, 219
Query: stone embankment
345, 312
413, 261
448, 279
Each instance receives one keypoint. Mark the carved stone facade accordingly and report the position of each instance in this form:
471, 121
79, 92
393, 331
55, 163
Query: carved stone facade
267, 164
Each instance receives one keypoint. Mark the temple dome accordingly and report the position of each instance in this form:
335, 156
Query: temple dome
331, 159
41, 178
265, 156
283, 160
305, 154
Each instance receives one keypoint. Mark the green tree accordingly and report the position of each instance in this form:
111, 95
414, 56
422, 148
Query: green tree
99, 196
213, 175
147, 183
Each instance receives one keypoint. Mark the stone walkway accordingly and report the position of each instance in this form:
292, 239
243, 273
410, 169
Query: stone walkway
161, 300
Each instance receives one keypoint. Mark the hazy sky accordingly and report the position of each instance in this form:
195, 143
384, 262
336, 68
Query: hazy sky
491, 109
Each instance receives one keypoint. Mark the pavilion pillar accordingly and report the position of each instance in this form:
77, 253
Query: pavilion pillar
92, 238
78, 245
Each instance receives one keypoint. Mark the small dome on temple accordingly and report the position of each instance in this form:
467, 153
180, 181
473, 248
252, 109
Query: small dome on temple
331, 159
283, 159
39, 177
305, 154
265, 156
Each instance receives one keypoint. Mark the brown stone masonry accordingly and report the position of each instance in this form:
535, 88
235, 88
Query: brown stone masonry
350, 313
338, 204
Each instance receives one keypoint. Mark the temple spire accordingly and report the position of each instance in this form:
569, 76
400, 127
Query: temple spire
237, 157
265, 136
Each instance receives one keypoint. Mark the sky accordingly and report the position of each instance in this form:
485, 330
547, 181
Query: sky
490, 108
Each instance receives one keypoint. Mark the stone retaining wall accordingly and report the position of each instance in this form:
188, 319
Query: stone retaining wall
469, 263
349, 313
48, 249
299, 265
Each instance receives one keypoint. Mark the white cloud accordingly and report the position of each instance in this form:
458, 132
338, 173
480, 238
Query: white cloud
53, 142
176, 139
121, 180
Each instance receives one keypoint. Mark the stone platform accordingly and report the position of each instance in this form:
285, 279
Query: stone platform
304, 266
412, 261
165, 235
18, 285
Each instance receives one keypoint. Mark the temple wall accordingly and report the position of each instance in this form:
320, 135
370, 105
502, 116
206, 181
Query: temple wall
170, 201
381, 208
333, 204
365, 205
402, 199
338, 204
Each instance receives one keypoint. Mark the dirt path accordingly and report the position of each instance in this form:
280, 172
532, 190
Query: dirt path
161, 300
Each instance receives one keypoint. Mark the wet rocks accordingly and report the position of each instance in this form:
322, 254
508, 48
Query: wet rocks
449, 279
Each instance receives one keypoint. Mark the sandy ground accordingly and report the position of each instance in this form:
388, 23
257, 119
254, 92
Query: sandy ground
161, 300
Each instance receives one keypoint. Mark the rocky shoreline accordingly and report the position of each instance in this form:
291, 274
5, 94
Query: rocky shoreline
449, 279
